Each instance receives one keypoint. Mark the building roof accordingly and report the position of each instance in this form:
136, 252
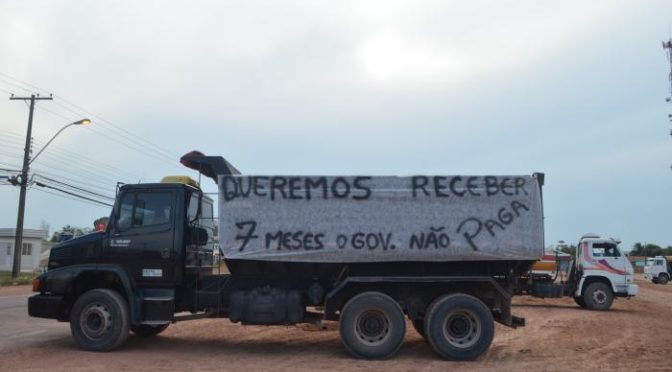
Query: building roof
27, 233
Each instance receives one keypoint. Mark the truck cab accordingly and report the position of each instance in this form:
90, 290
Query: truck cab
598, 271
658, 269
158, 243
601, 271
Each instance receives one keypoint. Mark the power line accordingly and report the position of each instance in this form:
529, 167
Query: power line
69, 197
123, 134
6, 91
155, 156
75, 187
40, 184
24, 83
55, 161
101, 176
157, 147
73, 156
78, 110
79, 182
5, 81
10, 165
91, 182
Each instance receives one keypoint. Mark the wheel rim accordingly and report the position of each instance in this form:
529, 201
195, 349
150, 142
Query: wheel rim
599, 296
372, 327
95, 321
462, 328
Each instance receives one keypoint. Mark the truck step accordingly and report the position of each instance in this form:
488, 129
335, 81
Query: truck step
155, 322
158, 306
158, 299
203, 315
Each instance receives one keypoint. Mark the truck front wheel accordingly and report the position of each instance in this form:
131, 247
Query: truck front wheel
147, 330
372, 326
663, 279
99, 320
459, 327
598, 296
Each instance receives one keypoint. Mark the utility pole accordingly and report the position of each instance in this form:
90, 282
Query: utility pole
667, 45
23, 182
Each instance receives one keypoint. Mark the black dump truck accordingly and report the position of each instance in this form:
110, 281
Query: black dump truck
369, 252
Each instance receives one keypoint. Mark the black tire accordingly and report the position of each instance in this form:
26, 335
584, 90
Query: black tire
598, 296
372, 326
459, 327
663, 279
579, 301
419, 325
147, 330
99, 320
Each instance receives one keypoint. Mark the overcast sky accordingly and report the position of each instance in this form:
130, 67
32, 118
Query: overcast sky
572, 89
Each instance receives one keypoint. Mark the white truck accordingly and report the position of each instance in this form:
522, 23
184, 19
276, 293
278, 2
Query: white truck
658, 269
598, 272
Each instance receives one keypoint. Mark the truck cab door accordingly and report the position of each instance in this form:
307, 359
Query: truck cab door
142, 236
608, 258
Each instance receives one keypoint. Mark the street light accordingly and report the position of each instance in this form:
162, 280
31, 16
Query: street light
78, 122
18, 242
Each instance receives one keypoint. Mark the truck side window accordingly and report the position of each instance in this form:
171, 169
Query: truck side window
152, 209
598, 252
605, 250
144, 209
192, 211
611, 251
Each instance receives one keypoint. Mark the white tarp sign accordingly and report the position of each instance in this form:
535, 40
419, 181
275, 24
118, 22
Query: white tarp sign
376, 219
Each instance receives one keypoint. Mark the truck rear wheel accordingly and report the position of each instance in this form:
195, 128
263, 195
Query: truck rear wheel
459, 327
598, 296
99, 320
372, 326
663, 279
148, 330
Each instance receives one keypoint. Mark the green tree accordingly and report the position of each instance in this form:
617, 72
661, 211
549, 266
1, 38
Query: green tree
75, 231
649, 250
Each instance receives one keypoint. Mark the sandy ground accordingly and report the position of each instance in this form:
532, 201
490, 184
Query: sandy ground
635, 335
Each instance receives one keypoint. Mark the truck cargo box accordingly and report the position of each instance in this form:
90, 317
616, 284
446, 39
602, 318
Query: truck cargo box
350, 219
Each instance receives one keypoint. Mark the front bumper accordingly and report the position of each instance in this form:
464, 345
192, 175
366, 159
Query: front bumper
47, 306
626, 290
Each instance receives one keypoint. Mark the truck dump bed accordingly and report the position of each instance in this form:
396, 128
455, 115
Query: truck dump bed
359, 219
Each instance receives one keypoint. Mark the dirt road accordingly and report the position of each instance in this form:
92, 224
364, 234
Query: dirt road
634, 335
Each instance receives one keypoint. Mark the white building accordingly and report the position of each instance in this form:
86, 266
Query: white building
33, 244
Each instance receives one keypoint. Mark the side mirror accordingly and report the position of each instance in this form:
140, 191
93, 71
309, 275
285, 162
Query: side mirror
198, 235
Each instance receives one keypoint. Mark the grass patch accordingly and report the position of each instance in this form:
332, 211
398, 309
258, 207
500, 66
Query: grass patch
24, 278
